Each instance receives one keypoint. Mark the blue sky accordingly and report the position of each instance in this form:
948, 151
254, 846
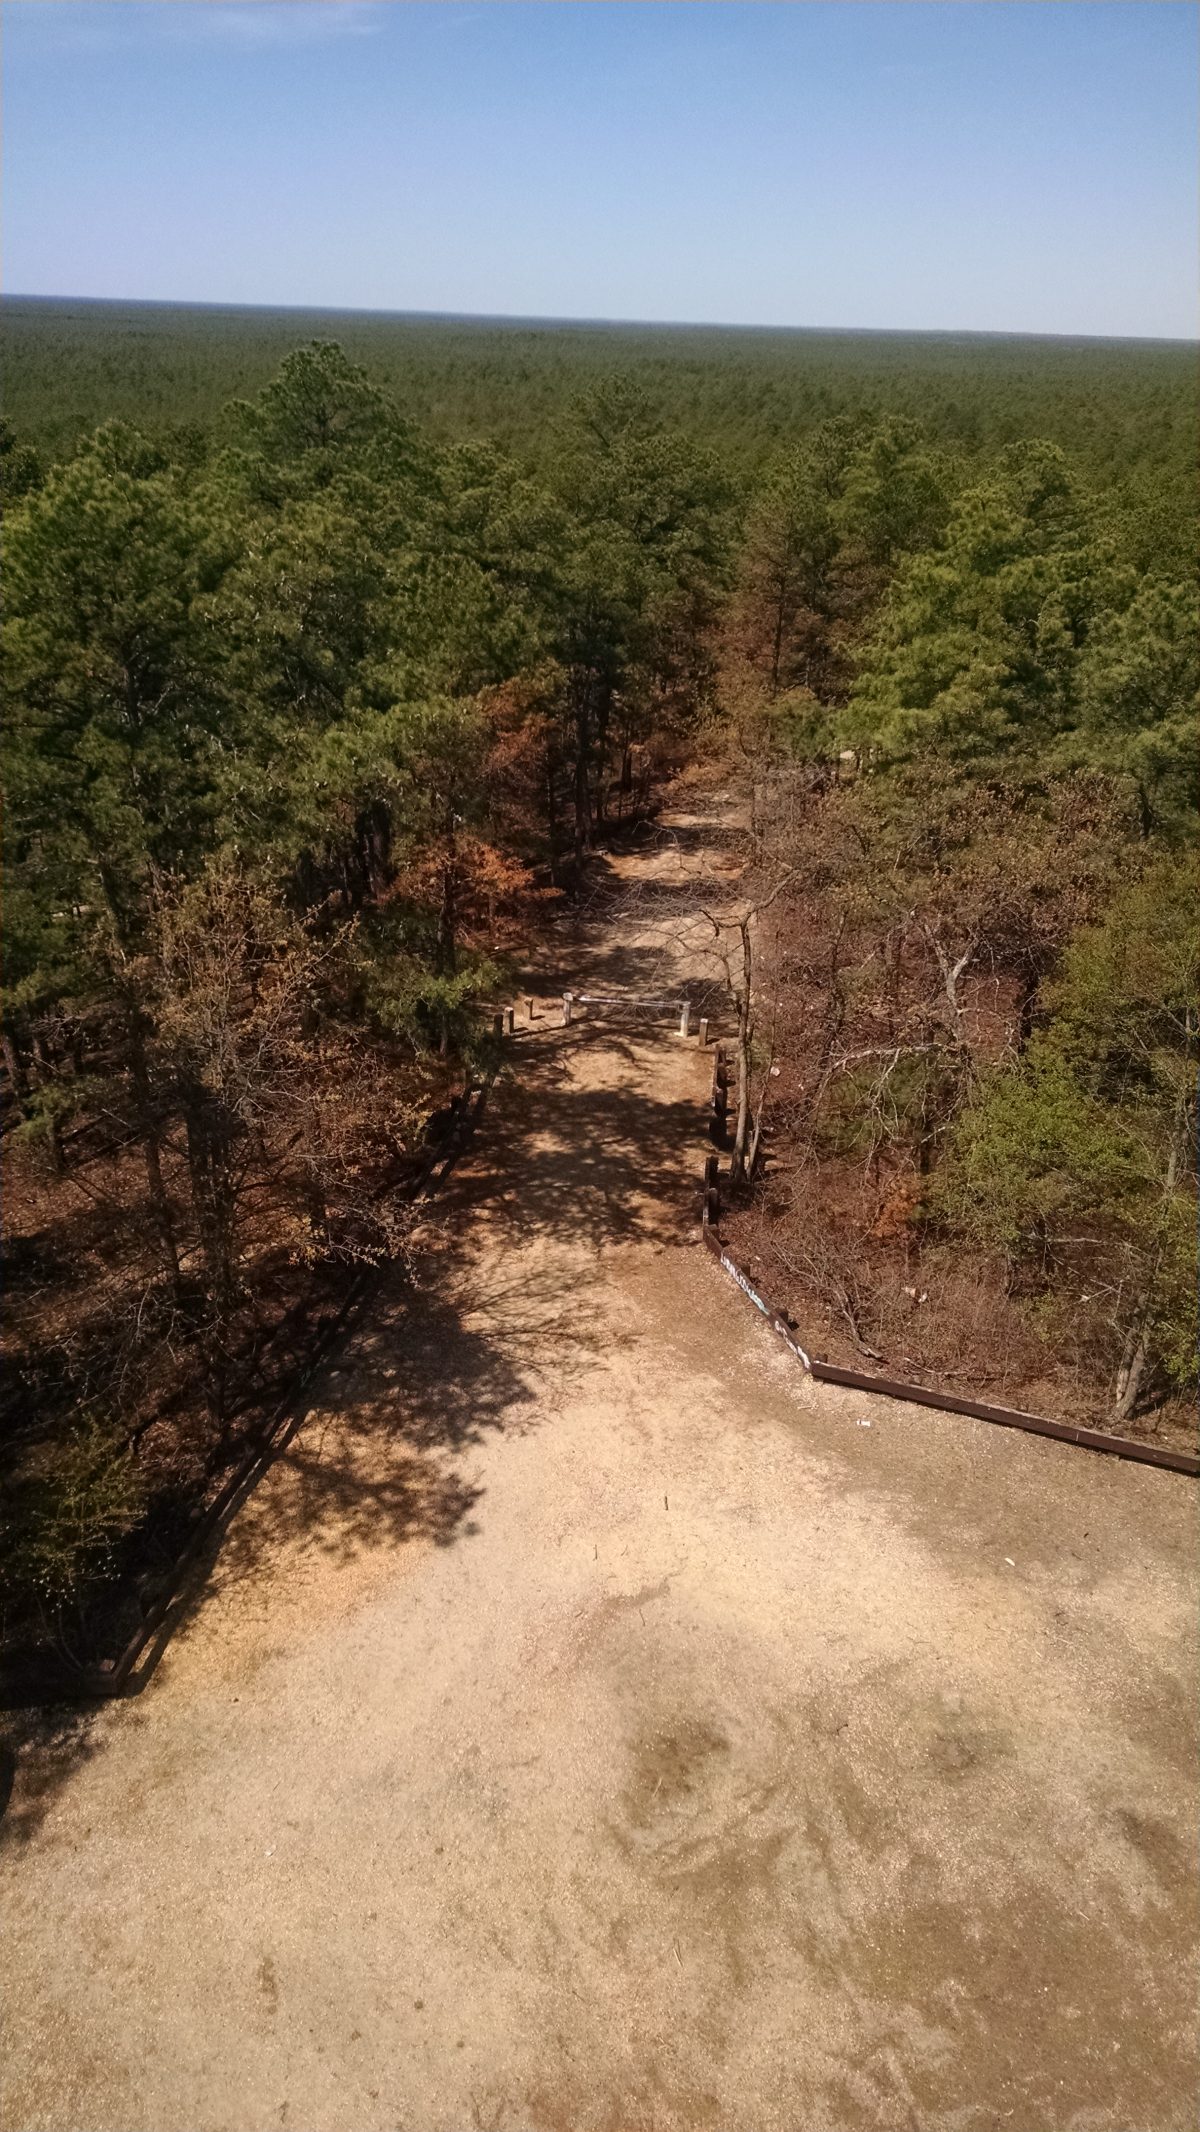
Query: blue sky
1000, 166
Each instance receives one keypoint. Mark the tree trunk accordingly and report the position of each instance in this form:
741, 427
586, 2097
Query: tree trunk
160, 1207
745, 1013
375, 831
45, 1074
551, 822
447, 922
1135, 1356
212, 1199
755, 1147
208, 1146
15, 1064
1130, 1374
737, 1160
926, 1124
318, 1209
583, 741
148, 1128
603, 709
583, 806
777, 637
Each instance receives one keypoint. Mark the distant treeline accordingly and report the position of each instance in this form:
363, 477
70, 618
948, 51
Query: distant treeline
1125, 409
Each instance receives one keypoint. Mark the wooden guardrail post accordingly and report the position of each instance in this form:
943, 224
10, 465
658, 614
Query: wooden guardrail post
509, 1020
710, 1213
529, 1005
703, 1032
567, 1004
685, 1019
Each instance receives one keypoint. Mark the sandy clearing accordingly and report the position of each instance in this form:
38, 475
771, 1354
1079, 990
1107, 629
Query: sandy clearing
589, 1728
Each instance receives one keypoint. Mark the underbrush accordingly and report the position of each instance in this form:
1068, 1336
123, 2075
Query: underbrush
112, 1445
869, 1285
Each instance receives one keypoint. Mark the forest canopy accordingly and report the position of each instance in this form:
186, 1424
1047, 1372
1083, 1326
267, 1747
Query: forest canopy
324, 677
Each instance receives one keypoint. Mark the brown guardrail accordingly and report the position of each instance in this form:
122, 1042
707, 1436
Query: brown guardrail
1012, 1418
1126, 1447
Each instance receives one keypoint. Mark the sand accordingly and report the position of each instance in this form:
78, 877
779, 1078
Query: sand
589, 1726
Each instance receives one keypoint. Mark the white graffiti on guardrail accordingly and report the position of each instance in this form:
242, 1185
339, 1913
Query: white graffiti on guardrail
735, 1273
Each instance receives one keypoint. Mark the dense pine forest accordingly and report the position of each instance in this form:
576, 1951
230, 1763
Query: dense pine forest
329, 666
1124, 410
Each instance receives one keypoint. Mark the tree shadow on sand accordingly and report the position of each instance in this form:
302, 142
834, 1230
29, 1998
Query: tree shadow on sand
576, 1155
39, 1753
636, 970
369, 1467
477, 1341
585, 1166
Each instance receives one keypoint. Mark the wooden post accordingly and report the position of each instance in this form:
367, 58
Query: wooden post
529, 1005
509, 1020
497, 1025
720, 1086
685, 1019
566, 1009
703, 1031
711, 1210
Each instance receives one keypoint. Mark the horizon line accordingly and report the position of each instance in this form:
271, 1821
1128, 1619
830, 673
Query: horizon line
662, 325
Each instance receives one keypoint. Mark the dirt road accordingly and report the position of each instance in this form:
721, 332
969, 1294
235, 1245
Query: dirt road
590, 1727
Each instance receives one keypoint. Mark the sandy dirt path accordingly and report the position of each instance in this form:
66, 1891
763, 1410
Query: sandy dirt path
589, 1727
